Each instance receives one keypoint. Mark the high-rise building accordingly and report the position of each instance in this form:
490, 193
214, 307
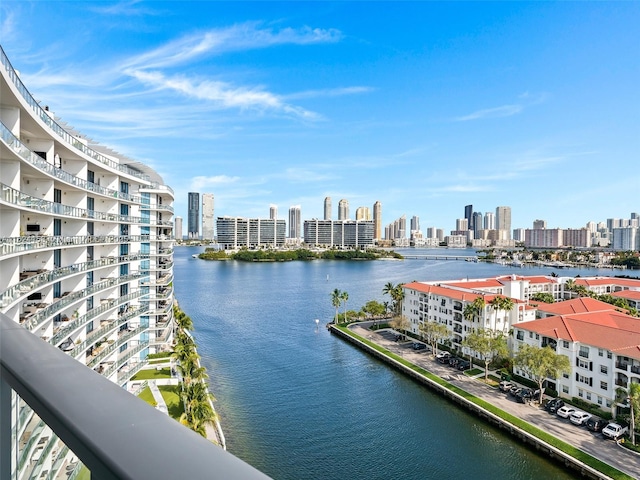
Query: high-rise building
273, 212
343, 210
208, 220
468, 214
489, 221
462, 225
477, 224
87, 267
341, 233
415, 223
363, 213
294, 221
503, 220
178, 228
193, 215
377, 220
237, 232
539, 224
327, 208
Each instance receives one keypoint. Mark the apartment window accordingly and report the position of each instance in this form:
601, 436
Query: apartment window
89, 228
91, 204
604, 386
565, 344
584, 351
57, 258
600, 352
537, 337
89, 327
608, 403
520, 335
582, 363
565, 375
565, 389
588, 395
57, 290
580, 393
599, 400
91, 176
57, 195
124, 187
57, 227
609, 355
604, 369
530, 334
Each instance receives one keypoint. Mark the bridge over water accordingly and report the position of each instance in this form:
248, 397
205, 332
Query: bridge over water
444, 256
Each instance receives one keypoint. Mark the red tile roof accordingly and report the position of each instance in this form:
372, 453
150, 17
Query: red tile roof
576, 305
623, 282
610, 330
489, 283
453, 293
630, 294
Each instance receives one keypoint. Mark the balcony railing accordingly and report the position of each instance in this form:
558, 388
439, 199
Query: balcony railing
18, 198
58, 130
26, 243
41, 164
129, 440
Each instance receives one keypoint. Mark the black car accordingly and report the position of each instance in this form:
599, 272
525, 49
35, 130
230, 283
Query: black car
525, 395
418, 346
464, 365
513, 391
596, 424
553, 405
453, 362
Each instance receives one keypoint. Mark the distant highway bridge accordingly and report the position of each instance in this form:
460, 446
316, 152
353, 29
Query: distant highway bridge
468, 258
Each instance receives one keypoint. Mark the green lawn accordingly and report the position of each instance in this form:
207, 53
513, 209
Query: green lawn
171, 395
159, 360
151, 374
147, 396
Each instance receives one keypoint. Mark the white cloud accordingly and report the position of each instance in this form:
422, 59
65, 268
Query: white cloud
201, 182
329, 92
496, 112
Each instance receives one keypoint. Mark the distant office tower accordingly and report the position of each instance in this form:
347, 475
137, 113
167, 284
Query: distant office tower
431, 232
294, 221
503, 220
193, 215
327, 208
477, 223
208, 220
415, 223
273, 212
363, 213
178, 228
440, 234
468, 214
462, 224
343, 210
377, 220
489, 221
539, 224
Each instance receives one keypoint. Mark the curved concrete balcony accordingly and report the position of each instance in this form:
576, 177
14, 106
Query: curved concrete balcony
16, 198
37, 280
57, 130
36, 161
69, 327
46, 313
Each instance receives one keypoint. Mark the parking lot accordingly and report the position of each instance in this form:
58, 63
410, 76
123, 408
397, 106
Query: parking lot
579, 436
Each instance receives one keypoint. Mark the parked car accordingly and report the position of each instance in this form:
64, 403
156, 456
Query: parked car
554, 404
614, 431
513, 391
579, 417
595, 424
443, 357
565, 411
453, 361
505, 386
525, 395
464, 365
418, 346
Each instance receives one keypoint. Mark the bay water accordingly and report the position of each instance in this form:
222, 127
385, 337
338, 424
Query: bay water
298, 403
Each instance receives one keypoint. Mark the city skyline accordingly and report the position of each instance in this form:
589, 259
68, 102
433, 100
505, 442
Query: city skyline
519, 104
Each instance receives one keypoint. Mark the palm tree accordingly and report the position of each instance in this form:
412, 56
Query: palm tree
474, 309
631, 395
344, 296
501, 303
336, 300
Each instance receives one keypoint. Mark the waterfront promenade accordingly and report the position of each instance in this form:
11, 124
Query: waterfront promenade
592, 443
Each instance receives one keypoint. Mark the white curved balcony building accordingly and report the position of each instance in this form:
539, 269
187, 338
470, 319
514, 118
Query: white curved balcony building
86, 255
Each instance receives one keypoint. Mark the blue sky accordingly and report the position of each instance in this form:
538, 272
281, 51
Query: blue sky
424, 106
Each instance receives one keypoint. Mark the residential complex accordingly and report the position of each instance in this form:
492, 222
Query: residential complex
341, 234
294, 222
86, 256
602, 341
238, 232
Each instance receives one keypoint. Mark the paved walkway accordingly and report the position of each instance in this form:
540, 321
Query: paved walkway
157, 396
593, 443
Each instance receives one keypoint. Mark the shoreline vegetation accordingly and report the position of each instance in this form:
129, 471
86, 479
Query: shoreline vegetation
300, 254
